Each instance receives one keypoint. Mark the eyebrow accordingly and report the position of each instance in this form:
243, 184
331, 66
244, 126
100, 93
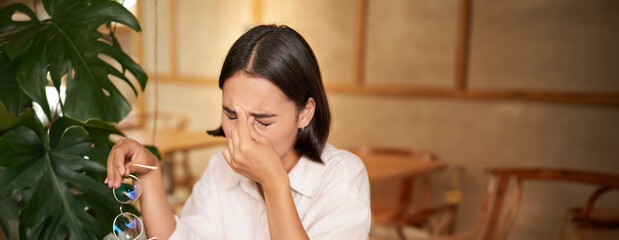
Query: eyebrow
256, 115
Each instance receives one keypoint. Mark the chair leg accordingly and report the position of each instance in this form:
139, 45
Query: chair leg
188, 179
167, 170
400, 232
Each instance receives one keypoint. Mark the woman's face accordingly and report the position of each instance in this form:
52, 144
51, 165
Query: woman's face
277, 117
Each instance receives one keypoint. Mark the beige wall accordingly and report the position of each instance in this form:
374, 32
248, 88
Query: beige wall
533, 44
549, 44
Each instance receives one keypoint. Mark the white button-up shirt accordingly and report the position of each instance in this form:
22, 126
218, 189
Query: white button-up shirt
332, 199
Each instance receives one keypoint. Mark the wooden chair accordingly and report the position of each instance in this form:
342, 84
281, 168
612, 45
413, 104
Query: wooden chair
498, 214
407, 210
590, 222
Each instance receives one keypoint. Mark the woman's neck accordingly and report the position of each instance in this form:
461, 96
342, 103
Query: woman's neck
290, 159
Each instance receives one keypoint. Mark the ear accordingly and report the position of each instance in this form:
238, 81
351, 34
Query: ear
307, 113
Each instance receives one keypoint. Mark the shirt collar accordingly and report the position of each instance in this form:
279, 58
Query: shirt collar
225, 177
305, 176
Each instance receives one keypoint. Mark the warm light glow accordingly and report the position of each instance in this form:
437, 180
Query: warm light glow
129, 3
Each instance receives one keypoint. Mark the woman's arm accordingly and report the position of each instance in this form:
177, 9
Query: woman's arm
156, 211
284, 222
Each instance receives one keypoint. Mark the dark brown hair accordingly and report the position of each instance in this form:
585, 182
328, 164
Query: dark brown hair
280, 55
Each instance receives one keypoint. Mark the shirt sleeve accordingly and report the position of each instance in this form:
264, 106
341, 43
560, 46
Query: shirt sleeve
199, 216
344, 208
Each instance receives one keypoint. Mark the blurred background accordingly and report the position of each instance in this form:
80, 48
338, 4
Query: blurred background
503, 83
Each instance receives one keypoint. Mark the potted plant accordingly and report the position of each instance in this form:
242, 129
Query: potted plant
52, 172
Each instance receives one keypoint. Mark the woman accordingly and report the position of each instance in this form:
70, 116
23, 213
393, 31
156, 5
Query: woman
277, 178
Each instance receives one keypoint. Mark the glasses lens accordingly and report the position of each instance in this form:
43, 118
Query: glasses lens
130, 189
127, 226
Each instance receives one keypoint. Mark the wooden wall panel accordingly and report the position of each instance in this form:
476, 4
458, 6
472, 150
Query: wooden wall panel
328, 26
206, 31
411, 43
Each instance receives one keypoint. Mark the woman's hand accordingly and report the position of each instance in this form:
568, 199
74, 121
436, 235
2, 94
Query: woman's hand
123, 155
156, 211
250, 154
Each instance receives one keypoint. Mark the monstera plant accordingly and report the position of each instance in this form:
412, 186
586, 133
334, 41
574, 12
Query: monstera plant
52, 170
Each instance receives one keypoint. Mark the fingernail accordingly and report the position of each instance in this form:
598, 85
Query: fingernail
105, 181
121, 171
236, 108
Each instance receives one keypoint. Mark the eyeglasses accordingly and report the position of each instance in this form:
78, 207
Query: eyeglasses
127, 226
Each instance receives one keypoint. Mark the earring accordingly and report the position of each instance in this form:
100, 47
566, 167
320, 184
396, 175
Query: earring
301, 128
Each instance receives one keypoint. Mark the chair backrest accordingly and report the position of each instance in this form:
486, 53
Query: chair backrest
425, 155
497, 215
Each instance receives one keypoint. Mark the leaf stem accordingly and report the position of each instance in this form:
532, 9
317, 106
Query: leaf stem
61, 193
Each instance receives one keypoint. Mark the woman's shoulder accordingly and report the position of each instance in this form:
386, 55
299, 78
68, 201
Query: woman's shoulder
331, 154
339, 159
343, 175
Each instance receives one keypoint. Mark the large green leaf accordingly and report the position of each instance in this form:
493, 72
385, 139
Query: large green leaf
32, 77
27, 119
7, 120
14, 99
62, 190
69, 45
99, 134
16, 36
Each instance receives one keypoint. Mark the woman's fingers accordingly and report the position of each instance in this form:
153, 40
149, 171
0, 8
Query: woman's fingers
123, 155
230, 149
252, 129
241, 124
226, 154
129, 167
113, 162
236, 152
110, 161
231, 142
119, 164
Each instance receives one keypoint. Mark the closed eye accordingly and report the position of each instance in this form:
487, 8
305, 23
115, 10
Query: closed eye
264, 124
231, 115
261, 123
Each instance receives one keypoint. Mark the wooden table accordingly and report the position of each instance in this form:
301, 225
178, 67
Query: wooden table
385, 168
391, 166
169, 141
